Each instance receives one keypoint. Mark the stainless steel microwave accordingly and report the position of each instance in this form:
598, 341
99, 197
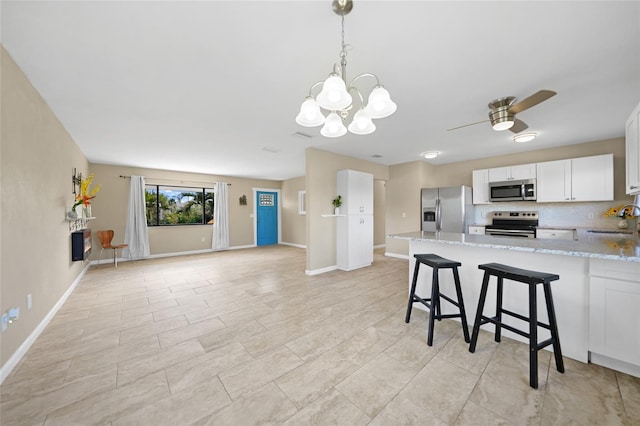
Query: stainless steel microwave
513, 190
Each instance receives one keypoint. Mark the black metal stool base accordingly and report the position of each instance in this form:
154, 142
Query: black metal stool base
533, 278
433, 303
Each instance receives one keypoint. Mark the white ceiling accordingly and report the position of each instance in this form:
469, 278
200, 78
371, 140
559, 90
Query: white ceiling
214, 87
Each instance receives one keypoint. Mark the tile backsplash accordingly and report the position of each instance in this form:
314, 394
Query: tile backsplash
574, 215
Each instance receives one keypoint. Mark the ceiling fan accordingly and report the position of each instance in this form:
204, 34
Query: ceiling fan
502, 114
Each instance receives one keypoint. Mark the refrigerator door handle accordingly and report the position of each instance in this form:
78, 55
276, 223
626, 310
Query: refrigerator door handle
438, 213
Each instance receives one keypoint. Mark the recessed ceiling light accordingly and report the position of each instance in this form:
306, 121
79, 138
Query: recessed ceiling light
430, 154
524, 137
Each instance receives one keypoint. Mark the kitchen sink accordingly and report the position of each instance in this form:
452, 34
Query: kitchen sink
612, 231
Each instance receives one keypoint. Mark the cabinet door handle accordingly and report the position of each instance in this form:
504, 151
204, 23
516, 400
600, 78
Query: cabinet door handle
633, 187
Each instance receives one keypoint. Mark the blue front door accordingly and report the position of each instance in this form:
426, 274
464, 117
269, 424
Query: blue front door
267, 212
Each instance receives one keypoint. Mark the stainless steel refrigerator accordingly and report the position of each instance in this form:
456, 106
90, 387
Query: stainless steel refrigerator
447, 209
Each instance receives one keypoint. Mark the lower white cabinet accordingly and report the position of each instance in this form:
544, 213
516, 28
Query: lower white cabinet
476, 230
556, 234
614, 312
354, 242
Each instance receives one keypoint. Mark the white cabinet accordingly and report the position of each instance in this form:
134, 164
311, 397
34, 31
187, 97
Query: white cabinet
356, 189
481, 186
476, 230
354, 242
576, 179
614, 313
633, 152
354, 238
556, 234
520, 172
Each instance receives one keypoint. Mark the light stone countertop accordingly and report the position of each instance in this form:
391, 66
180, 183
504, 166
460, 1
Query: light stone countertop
625, 247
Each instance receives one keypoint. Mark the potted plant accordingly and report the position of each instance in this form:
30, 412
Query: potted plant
337, 202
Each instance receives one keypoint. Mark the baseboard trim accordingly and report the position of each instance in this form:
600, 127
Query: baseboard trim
615, 364
294, 245
11, 363
379, 246
397, 255
321, 270
173, 254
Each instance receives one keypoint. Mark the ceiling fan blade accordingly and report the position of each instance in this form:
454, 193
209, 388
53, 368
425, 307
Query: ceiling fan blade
532, 101
467, 125
518, 126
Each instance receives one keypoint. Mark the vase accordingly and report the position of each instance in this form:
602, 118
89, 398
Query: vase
71, 214
623, 224
336, 211
86, 211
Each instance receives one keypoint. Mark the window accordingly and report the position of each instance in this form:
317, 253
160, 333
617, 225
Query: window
173, 205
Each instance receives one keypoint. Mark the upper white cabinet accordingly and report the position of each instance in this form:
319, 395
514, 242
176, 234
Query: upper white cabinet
481, 186
576, 179
356, 189
520, 172
633, 152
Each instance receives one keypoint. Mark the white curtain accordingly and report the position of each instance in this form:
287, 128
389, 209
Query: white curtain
220, 240
136, 234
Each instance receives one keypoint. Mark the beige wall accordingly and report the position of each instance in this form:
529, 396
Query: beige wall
408, 178
38, 156
321, 168
293, 223
110, 208
379, 206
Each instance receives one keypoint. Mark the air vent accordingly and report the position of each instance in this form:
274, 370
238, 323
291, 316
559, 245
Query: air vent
271, 149
302, 135
376, 156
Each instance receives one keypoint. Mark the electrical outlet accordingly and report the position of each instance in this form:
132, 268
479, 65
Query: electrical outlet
29, 302
14, 314
404, 214
590, 216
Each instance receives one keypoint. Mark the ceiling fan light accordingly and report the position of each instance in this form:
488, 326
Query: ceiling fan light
503, 125
524, 137
362, 124
334, 95
333, 127
380, 104
310, 115
502, 119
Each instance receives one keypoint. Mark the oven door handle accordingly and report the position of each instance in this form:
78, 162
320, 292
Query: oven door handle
511, 233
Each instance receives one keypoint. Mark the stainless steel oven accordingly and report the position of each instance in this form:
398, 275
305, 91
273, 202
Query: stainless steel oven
513, 190
513, 224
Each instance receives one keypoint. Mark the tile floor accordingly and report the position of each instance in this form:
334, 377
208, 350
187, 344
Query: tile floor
244, 337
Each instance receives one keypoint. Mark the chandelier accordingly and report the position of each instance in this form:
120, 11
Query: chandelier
335, 97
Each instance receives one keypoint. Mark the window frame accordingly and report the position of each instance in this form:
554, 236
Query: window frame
194, 189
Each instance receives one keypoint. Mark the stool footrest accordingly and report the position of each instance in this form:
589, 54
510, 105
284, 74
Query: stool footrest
523, 318
450, 300
545, 343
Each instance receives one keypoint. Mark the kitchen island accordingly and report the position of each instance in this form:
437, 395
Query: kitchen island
597, 298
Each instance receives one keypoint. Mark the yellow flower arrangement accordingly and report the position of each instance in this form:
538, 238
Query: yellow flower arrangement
85, 196
614, 211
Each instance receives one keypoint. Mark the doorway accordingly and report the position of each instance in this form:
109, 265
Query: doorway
267, 218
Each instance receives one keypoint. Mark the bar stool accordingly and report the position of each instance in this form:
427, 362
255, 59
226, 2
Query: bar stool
433, 303
533, 278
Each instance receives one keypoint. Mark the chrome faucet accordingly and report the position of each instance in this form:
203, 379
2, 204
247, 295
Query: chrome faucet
635, 207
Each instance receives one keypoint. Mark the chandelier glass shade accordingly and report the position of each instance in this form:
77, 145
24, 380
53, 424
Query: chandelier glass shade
336, 99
